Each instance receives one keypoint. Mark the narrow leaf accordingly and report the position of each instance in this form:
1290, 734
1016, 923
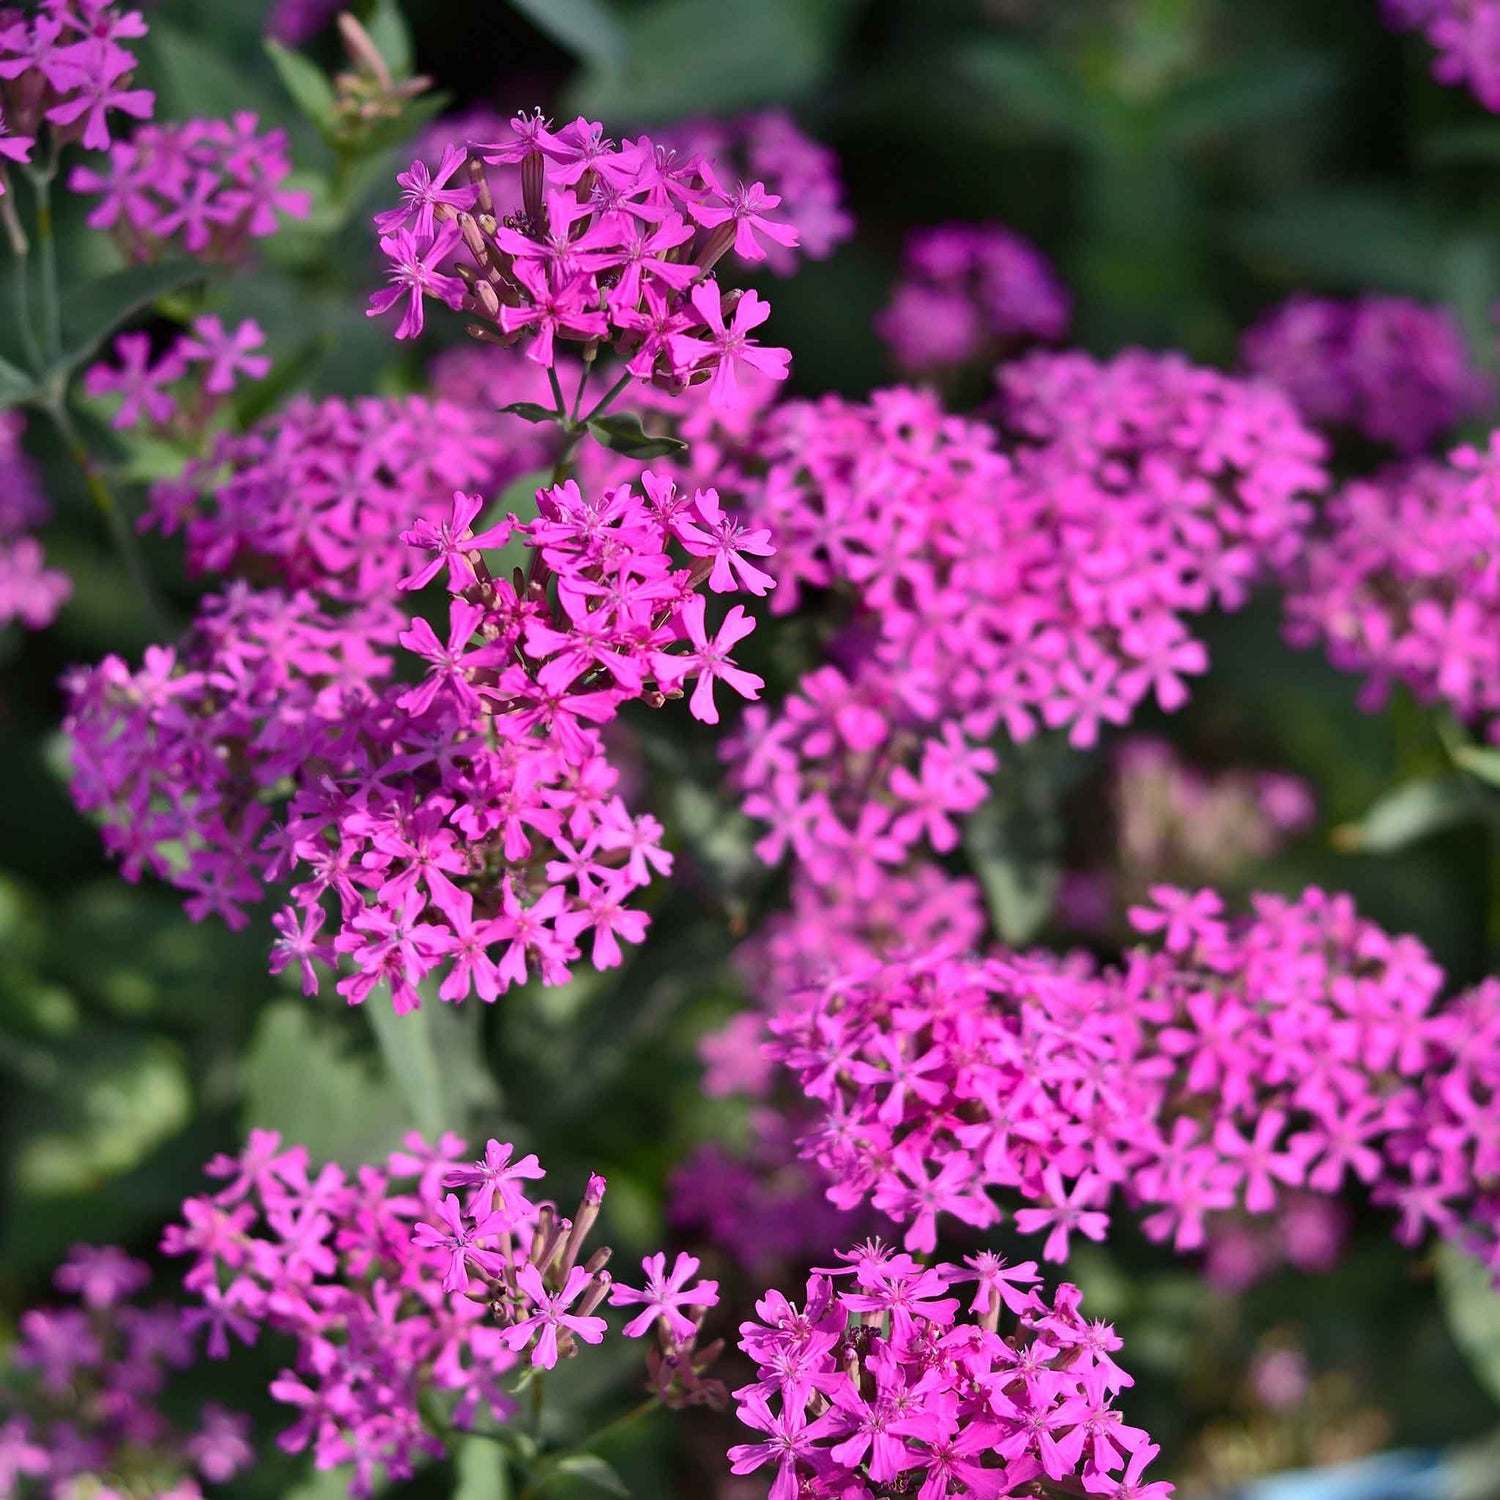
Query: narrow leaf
93, 311
15, 384
1480, 761
481, 1470
410, 1058
308, 85
1472, 1307
621, 432
391, 35
593, 1470
530, 411
586, 28
1406, 814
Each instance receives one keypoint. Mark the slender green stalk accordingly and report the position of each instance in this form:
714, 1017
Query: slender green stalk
46, 244
109, 508
608, 398
20, 250
547, 1469
583, 379
557, 395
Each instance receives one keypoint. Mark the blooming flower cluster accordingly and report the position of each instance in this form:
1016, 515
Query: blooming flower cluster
1176, 824
766, 146
212, 186
991, 593
611, 246
1465, 35
178, 392
970, 292
470, 814
1388, 368
66, 66
30, 591
1402, 585
886, 1384
407, 1302
80, 1393
1292, 1050
318, 493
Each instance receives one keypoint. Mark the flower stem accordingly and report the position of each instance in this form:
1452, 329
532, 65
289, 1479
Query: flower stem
109, 508
20, 249
46, 243
546, 1470
608, 398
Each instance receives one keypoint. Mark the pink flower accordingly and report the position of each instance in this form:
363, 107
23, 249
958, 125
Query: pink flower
726, 348
664, 1295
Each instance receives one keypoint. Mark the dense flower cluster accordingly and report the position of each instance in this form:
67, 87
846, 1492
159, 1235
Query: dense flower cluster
888, 1385
81, 1393
402, 1297
996, 594
766, 146
211, 185
317, 495
1174, 823
66, 66
1402, 585
609, 246
30, 591
1235, 1062
1466, 36
470, 814
970, 292
1388, 368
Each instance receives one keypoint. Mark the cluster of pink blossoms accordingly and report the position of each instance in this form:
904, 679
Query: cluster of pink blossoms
316, 495
1296, 1049
990, 593
80, 1396
30, 591
408, 1303
177, 393
211, 185
766, 146
970, 292
882, 1386
468, 822
1402, 584
64, 65
1465, 35
609, 246
1390, 369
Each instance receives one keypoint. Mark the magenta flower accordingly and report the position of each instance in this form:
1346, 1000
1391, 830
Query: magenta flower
727, 347
458, 1240
414, 276
551, 1315
664, 1295
496, 1176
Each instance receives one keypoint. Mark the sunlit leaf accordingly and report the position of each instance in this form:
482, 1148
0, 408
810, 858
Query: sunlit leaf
92, 311
589, 29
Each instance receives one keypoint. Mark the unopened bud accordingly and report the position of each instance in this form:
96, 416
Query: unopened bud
583, 1221
363, 52
595, 1294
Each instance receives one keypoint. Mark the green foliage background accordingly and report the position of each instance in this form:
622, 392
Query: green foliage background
1184, 163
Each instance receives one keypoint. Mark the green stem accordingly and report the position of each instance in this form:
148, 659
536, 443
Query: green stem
608, 398
109, 508
46, 242
557, 395
20, 249
545, 1471
583, 380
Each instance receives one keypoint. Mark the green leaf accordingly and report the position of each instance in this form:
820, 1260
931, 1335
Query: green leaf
1028, 87
93, 311
15, 385
709, 55
1472, 1307
593, 1470
1480, 761
194, 78
530, 411
1407, 814
588, 29
621, 432
1241, 98
309, 86
391, 35
410, 1059
481, 1470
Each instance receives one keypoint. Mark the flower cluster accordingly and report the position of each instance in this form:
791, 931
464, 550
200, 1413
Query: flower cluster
1402, 585
1466, 36
293, 22
1292, 1050
471, 814
212, 185
886, 1384
178, 392
766, 146
1176, 824
80, 1395
408, 1303
609, 246
67, 66
1390, 369
991, 593
317, 494
970, 292
30, 591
